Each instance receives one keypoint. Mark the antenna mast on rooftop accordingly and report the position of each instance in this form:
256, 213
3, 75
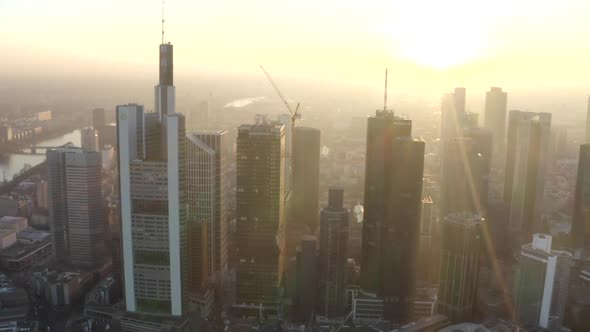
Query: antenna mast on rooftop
162, 21
385, 94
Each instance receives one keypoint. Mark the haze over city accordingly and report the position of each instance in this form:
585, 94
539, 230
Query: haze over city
283, 166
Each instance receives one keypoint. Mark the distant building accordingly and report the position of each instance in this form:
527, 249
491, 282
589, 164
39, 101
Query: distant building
260, 213
581, 216
495, 116
452, 114
426, 267
334, 228
588, 123
89, 137
542, 284
306, 177
461, 248
108, 157
528, 142
99, 119
42, 194
209, 184
75, 205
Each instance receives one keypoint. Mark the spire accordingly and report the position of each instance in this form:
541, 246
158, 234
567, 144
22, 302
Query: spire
162, 21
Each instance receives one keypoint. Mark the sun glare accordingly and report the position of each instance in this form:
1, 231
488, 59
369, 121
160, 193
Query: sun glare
439, 34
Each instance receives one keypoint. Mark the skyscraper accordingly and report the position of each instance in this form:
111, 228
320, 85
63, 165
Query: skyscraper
400, 230
334, 221
482, 139
285, 119
495, 116
462, 244
260, 213
530, 162
75, 205
306, 177
382, 130
581, 215
209, 162
460, 180
153, 201
307, 267
99, 119
515, 121
452, 114
89, 139
588, 122
542, 284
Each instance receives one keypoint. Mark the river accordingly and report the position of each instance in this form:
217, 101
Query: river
12, 164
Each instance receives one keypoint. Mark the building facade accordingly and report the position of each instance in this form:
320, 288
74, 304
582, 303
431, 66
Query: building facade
260, 213
581, 215
542, 284
461, 248
495, 116
334, 228
209, 170
306, 177
75, 205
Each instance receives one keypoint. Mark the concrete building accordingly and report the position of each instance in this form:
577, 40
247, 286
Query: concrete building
75, 205
209, 167
462, 245
542, 284
528, 143
334, 228
260, 213
154, 233
495, 116
581, 216
89, 139
306, 177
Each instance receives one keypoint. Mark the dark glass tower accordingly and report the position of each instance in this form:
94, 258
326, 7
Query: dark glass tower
333, 254
462, 244
382, 130
401, 231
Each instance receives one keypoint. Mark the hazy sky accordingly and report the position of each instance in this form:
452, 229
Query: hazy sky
425, 43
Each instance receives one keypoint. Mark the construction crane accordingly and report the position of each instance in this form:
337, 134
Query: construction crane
295, 115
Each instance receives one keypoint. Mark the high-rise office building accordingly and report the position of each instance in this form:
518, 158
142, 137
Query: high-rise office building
588, 122
75, 205
334, 223
400, 230
260, 212
154, 233
542, 284
581, 215
482, 139
426, 269
307, 267
382, 130
462, 242
99, 118
209, 169
516, 120
460, 180
528, 174
306, 177
89, 139
495, 116
452, 114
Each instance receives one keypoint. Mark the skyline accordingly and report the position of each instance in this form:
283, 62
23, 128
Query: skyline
507, 45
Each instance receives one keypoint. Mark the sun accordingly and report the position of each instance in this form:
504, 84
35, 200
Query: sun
438, 34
